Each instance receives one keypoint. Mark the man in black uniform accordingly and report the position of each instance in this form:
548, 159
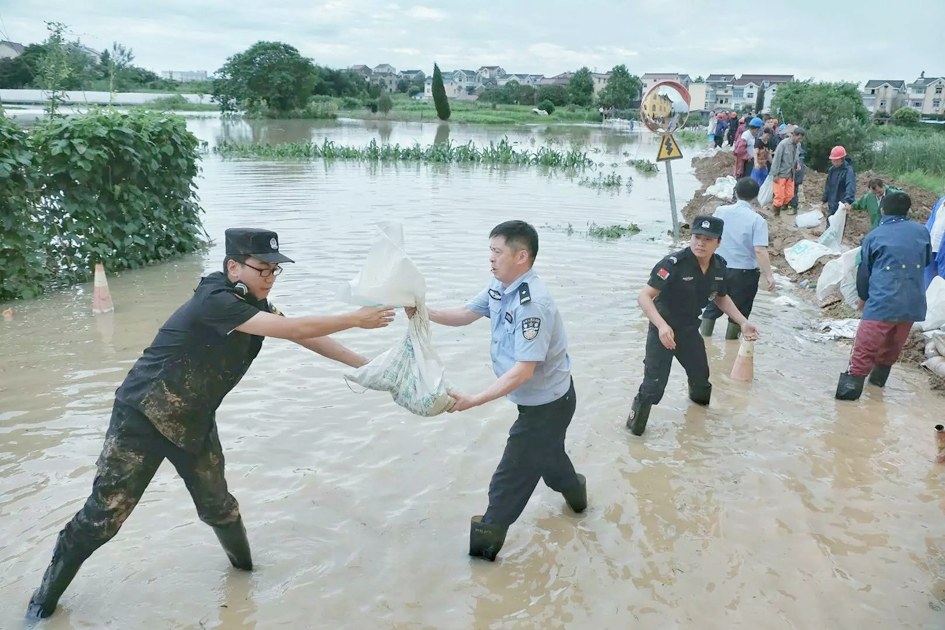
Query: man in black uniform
165, 408
678, 289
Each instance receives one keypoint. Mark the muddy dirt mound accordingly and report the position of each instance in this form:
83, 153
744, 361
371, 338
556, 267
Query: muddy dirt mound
913, 353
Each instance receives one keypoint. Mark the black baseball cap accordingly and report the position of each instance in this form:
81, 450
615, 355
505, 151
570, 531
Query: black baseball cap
707, 226
261, 244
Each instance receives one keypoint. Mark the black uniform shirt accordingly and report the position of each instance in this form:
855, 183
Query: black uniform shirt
194, 361
684, 289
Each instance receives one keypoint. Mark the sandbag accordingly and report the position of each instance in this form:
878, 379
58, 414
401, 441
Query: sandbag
935, 299
809, 219
766, 192
411, 370
832, 238
723, 188
804, 254
935, 365
839, 276
939, 343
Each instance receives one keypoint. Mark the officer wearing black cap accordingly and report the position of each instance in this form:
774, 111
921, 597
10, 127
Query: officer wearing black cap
679, 287
165, 408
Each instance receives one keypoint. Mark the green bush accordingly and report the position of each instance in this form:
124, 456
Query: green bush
548, 106
117, 189
906, 116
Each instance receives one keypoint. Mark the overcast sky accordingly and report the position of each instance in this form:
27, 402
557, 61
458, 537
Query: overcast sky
821, 39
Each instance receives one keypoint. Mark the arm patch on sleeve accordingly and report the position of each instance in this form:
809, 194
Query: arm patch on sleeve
663, 273
530, 327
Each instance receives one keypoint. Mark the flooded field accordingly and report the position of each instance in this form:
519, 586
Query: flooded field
776, 507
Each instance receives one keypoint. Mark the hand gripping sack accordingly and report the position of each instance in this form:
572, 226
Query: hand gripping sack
411, 370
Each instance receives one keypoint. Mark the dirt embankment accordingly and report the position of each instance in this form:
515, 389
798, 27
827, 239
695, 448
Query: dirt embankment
783, 233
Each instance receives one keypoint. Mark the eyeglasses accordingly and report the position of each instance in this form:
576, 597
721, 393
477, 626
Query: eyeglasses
265, 273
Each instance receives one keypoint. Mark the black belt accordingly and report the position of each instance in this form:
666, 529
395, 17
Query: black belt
755, 270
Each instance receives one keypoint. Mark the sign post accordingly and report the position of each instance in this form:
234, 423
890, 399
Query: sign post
669, 151
664, 109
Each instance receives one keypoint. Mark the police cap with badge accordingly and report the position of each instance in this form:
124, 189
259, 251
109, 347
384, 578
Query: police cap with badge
707, 226
260, 244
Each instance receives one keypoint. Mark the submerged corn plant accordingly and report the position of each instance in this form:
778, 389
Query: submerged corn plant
499, 153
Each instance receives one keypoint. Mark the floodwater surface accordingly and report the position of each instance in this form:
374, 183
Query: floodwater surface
775, 507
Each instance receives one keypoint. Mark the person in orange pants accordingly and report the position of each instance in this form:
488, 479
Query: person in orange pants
783, 166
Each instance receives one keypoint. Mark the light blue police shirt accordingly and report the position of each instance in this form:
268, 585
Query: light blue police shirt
743, 231
526, 326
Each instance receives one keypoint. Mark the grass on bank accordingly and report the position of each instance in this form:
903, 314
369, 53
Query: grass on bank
916, 156
463, 111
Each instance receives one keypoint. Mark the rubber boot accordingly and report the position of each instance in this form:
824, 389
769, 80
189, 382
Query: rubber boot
576, 497
235, 544
485, 541
58, 576
732, 330
777, 211
701, 396
879, 374
849, 387
639, 414
791, 210
706, 327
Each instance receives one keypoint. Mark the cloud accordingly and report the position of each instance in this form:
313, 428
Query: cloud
425, 13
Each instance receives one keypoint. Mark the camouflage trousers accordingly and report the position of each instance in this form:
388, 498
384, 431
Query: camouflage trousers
132, 453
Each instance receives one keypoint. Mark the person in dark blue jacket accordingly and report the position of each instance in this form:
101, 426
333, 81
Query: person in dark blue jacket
891, 286
841, 181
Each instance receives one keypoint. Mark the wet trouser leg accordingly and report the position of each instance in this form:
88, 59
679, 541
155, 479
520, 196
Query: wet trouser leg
534, 450
130, 457
690, 352
877, 343
203, 474
742, 288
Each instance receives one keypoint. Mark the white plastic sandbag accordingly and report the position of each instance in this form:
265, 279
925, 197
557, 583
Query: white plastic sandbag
411, 370
935, 300
723, 188
809, 219
833, 235
766, 193
804, 254
839, 276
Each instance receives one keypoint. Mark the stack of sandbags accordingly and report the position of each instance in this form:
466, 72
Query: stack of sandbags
935, 354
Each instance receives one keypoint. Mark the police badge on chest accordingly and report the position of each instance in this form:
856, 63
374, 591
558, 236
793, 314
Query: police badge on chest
530, 327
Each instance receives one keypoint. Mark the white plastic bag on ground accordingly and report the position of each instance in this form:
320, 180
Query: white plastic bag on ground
809, 219
723, 188
804, 254
411, 370
766, 193
935, 298
839, 276
841, 328
832, 237
935, 365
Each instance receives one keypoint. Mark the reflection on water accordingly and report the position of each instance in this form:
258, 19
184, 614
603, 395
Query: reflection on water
776, 507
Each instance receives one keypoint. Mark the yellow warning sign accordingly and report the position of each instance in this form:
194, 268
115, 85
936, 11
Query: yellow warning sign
669, 149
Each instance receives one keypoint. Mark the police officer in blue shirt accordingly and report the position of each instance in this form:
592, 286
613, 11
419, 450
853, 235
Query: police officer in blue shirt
530, 359
679, 287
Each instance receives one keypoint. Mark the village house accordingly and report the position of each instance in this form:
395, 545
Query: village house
385, 76
718, 91
533, 80
363, 70
927, 94
413, 75
559, 79
745, 90
489, 73
883, 96
600, 81
10, 50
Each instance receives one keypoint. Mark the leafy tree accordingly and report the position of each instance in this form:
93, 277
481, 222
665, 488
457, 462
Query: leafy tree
54, 69
760, 99
548, 106
269, 75
114, 62
906, 116
621, 90
19, 72
699, 79
581, 88
403, 85
339, 83
384, 104
557, 94
440, 102
832, 114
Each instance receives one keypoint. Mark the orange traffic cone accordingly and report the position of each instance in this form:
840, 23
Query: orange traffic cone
940, 443
101, 298
744, 368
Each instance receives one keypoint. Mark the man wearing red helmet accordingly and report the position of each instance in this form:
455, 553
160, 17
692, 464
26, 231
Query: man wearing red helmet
841, 181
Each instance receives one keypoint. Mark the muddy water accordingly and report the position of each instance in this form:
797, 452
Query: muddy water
776, 507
